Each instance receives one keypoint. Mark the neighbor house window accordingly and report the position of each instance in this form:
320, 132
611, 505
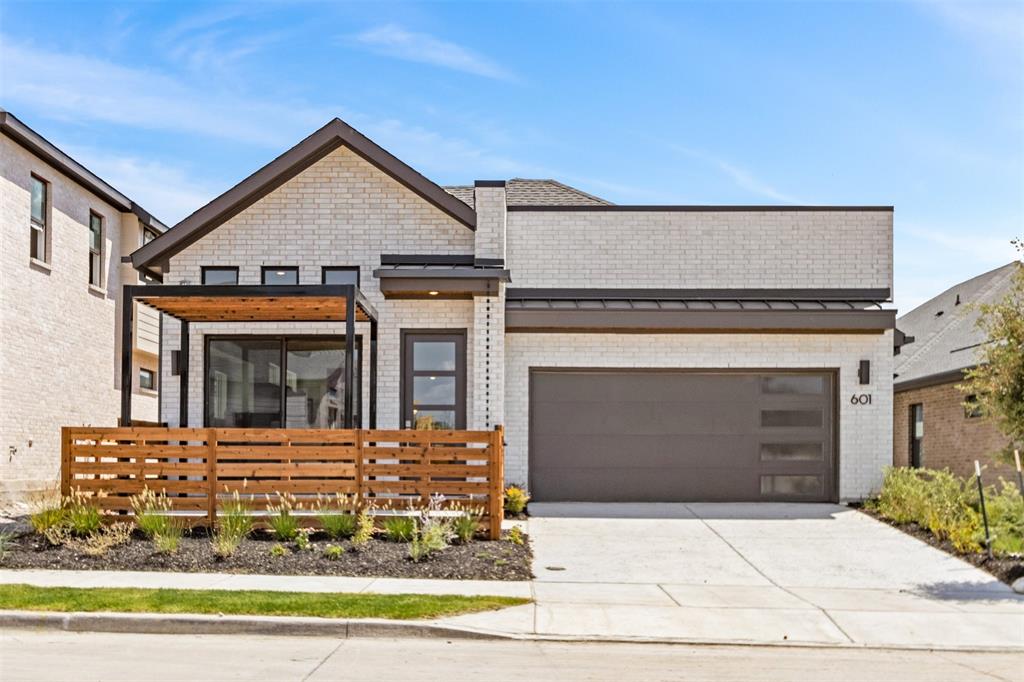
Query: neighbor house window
95, 249
220, 275
972, 408
39, 220
341, 275
147, 379
280, 275
916, 434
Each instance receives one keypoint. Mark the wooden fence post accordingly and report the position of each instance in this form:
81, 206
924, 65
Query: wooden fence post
65, 461
496, 495
359, 469
211, 478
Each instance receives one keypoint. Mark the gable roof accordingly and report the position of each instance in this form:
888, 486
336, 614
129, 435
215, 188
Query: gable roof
946, 335
14, 128
335, 134
527, 192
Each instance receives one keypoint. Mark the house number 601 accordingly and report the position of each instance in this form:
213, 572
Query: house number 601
860, 399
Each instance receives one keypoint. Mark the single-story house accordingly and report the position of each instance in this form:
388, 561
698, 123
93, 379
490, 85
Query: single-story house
641, 353
935, 423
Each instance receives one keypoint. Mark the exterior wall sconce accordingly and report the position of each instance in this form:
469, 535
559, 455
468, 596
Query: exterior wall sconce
864, 372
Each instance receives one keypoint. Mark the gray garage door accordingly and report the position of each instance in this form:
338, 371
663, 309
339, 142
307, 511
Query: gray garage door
678, 436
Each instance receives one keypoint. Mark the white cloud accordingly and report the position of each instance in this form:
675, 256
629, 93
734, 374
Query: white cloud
394, 41
168, 192
76, 87
741, 177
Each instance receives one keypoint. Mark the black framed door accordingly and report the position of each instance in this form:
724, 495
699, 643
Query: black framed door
433, 379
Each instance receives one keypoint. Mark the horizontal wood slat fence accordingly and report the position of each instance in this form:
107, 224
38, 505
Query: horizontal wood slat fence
201, 468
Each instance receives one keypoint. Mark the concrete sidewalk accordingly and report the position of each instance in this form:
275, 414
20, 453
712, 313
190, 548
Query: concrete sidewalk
818, 575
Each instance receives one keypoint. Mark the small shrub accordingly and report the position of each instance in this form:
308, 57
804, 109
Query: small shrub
81, 517
466, 524
153, 517
333, 552
47, 512
57, 535
364, 528
1006, 519
281, 517
103, 540
233, 526
335, 516
278, 551
432, 533
515, 535
302, 542
399, 528
516, 498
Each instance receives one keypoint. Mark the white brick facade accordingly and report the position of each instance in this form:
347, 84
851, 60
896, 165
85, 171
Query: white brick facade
343, 211
59, 340
865, 431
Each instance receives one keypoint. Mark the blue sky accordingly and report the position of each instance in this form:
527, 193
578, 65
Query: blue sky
920, 105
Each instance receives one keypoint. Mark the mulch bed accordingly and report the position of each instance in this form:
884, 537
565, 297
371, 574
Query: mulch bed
1005, 569
479, 560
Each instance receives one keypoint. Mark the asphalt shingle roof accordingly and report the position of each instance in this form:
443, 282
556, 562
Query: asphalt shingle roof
945, 330
525, 192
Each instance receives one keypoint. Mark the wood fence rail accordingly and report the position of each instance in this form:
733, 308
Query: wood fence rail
200, 468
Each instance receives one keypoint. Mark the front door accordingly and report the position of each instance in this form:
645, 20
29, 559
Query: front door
434, 379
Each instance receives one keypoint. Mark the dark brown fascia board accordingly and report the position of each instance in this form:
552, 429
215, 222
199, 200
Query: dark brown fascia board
947, 377
467, 273
693, 208
446, 287
489, 183
701, 321
38, 145
871, 295
335, 134
426, 259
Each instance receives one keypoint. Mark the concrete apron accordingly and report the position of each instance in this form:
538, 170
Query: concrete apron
753, 574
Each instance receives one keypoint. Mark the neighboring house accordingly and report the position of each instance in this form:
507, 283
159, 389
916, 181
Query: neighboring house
933, 427
631, 352
65, 232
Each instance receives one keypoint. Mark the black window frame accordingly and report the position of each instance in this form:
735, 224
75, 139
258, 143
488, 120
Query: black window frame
339, 268
283, 340
407, 373
152, 379
972, 408
43, 227
218, 268
96, 275
274, 268
915, 453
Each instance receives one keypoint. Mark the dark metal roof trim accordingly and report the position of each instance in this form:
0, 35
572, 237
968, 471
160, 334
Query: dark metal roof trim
489, 183
953, 375
696, 208
441, 272
15, 129
335, 134
860, 295
426, 259
446, 287
698, 321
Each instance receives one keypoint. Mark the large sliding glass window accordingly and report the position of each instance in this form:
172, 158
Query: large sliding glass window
260, 382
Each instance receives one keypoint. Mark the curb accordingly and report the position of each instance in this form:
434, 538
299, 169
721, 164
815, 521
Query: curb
292, 626
186, 624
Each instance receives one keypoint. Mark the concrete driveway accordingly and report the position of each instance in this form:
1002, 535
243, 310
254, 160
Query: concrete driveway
764, 573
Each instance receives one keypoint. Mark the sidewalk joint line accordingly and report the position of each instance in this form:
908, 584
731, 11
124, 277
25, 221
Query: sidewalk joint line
668, 594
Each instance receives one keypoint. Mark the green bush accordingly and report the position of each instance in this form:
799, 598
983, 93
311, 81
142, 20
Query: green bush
333, 552
399, 528
516, 497
364, 528
48, 518
431, 537
338, 525
81, 517
466, 524
949, 507
233, 526
281, 516
153, 517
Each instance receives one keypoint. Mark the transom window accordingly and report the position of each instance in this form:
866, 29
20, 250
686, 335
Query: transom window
95, 249
214, 275
39, 221
348, 274
280, 275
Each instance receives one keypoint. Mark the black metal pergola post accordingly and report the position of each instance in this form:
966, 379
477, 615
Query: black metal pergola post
150, 294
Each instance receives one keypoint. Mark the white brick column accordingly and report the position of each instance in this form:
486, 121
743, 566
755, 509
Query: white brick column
491, 213
488, 365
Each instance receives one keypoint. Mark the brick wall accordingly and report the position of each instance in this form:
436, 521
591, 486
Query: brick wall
342, 211
770, 249
951, 439
865, 431
59, 342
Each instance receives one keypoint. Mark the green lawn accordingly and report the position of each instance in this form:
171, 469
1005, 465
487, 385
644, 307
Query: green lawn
246, 602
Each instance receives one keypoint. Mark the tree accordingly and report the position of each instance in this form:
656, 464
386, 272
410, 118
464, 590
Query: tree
997, 381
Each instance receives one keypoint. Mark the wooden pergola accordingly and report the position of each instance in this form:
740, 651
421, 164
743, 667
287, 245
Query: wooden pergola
243, 303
